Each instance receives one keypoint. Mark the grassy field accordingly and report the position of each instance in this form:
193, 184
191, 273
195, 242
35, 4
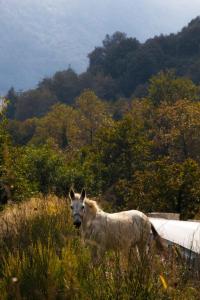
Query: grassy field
43, 257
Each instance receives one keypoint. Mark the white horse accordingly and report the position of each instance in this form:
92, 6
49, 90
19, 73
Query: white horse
111, 231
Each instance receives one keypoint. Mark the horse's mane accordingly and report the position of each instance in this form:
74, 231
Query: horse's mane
92, 204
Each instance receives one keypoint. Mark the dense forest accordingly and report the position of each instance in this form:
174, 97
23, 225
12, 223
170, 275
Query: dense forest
128, 129
142, 153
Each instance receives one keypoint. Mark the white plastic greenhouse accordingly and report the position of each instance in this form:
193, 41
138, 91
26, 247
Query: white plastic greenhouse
183, 233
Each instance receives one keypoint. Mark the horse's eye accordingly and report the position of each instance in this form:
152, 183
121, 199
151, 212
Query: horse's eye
71, 206
82, 207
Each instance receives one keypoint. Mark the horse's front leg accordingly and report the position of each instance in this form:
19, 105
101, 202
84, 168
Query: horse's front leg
96, 251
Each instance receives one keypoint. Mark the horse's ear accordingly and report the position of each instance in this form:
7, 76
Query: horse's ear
83, 194
71, 194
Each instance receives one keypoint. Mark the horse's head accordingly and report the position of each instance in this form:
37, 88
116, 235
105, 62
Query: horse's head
77, 207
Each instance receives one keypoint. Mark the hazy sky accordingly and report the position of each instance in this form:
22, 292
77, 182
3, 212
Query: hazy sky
39, 37
140, 18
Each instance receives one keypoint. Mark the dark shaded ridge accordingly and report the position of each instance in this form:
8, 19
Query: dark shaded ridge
120, 68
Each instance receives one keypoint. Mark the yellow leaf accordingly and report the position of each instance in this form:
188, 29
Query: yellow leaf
164, 283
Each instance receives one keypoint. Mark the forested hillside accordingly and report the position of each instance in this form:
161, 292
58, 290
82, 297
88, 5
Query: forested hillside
127, 129
40, 37
120, 68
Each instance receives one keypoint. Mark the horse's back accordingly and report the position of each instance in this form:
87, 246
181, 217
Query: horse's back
122, 228
128, 215
127, 221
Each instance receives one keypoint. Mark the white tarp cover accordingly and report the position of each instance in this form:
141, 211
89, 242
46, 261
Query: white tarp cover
183, 233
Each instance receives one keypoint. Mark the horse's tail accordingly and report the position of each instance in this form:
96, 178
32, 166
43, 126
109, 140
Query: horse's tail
157, 239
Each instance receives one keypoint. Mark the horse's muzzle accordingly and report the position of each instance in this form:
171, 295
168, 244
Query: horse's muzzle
77, 224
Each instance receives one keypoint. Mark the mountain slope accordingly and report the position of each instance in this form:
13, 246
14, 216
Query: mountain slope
40, 37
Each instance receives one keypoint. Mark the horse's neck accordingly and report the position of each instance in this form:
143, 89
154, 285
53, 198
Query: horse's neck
89, 217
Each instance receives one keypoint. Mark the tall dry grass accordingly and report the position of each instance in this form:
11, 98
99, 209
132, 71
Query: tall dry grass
43, 257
